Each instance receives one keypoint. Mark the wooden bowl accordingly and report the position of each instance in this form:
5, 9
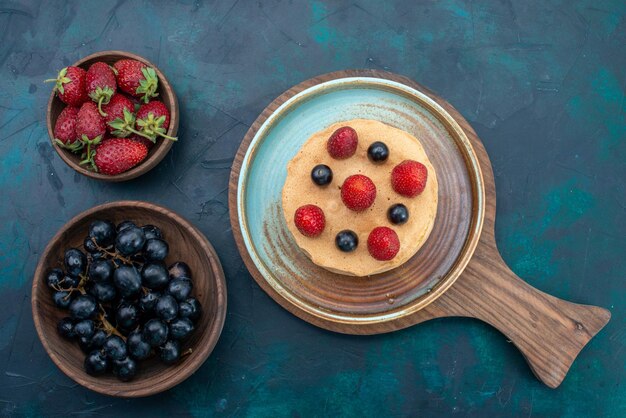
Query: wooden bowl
186, 244
155, 154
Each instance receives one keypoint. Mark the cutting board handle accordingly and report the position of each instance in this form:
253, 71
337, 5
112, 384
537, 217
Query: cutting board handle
549, 332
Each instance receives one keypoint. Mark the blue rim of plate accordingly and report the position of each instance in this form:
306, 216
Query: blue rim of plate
438, 112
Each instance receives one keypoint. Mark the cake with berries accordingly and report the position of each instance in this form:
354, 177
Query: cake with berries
360, 197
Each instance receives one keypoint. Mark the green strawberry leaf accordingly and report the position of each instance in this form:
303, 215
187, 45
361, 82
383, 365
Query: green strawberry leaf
89, 154
153, 127
72, 146
125, 127
59, 81
149, 85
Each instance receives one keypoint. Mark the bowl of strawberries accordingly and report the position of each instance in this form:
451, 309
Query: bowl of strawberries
112, 115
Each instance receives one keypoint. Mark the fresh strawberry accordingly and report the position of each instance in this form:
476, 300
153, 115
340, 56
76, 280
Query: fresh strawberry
100, 84
153, 119
115, 110
158, 109
117, 155
342, 143
149, 144
124, 127
90, 129
136, 79
358, 192
409, 178
383, 243
310, 220
65, 129
70, 86
89, 124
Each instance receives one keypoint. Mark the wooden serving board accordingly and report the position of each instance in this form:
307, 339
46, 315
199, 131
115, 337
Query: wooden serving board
549, 332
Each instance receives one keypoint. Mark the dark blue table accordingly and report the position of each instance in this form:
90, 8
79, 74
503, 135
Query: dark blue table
541, 82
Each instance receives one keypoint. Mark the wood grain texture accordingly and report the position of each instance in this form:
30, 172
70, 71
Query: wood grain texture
186, 244
409, 286
548, 331
155, 154
329, 298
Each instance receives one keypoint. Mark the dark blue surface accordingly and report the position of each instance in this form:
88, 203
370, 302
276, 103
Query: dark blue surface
541, 82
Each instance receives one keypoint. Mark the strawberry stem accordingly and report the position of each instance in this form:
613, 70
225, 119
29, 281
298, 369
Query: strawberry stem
73, 146
100, 100
59, 81
136, 132
153, 126
101, 96
90, 154
149, 85
171, 138
124, 127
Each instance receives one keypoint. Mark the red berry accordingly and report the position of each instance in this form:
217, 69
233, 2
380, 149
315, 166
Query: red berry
358, 192
158, 109
309, 220
409, 178
136, 78
342, 143
89, 123
149, 144
70, 86
65, 127
100, 84
115, 109
153, 119
383, 243
117, 155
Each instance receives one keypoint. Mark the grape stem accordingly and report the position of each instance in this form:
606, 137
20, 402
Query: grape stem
115, 255
80, 288
108, 327
83, 281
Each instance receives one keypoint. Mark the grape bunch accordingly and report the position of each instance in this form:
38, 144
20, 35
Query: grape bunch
124, 304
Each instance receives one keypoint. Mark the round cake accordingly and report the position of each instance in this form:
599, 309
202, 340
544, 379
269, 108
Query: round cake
360, 197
